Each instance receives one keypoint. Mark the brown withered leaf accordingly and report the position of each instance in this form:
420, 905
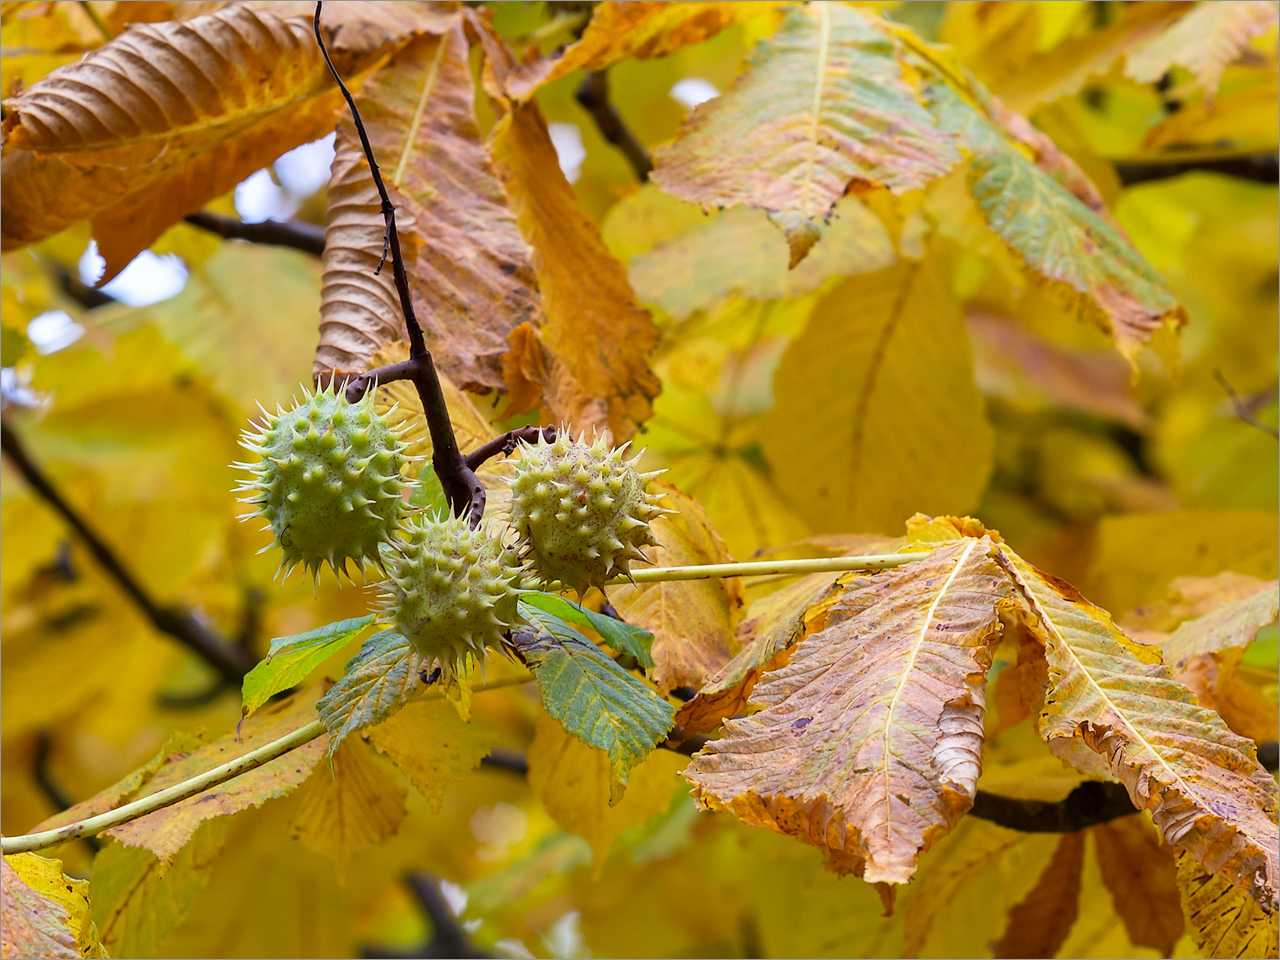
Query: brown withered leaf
167, 831
771, 625
163, 118
356, 805
469, 268
1140, 873
45, 913
869, 741
1039, 924
820, 108
621, 31
536, 377
1201, 782
593, 325
1224, 921
692, 621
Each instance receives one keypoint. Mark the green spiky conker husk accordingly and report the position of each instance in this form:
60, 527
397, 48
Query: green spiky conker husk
582, 512
328, 480
452, 590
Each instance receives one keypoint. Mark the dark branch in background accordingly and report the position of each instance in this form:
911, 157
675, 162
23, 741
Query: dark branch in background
448, 938
594, 97
81, 292
462, 488
1261, 167
298, 234
1245, 409
52, 791
1091, 803
232, 662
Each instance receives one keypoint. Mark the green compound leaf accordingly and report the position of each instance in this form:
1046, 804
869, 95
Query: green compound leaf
622, 636
592, 697
378, 681
429, 493
290, 659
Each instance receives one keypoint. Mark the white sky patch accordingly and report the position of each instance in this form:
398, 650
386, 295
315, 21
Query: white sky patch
455, 896
146, 280
53, 331
305, 169
567, 139
692, 91
260, 198
564, 937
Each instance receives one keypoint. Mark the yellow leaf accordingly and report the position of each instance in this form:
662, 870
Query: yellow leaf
1245, 117
877, 414
620, 31
431, 746
1202, 783
469, 268
692, 621
136, 901
573, 781
46, 914
166, 831
819, 108
1138, 554
870, 738
740, 254
1233, 624
153, 124
355, 805
593, 326
1224, 921
1205, 41
1039, 924
1140, 874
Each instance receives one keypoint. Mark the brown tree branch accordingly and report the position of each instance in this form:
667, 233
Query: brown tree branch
298, 234
232, 662
448, 938
593, 94
462, 488
1261, 167
505, 445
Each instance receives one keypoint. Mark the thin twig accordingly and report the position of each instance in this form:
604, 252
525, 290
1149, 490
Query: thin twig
1241, 408
506, 444
297, 234
231, 662
448, 937
462, 488
593, 94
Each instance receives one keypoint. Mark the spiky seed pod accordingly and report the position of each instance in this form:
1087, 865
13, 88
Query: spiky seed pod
582, 512
453, 590
328, 480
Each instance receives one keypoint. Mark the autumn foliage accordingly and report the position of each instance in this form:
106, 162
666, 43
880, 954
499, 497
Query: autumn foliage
953, 327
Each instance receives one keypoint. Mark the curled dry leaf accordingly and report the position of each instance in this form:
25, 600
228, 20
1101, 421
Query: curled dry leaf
1202, 783
820, 108
150, 126
469, 269
594, 328
869, 741
692, 621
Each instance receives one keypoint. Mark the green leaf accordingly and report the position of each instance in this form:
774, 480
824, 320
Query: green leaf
290, 659
622, 636
378, 682
592, 697
429, 492
14, 345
